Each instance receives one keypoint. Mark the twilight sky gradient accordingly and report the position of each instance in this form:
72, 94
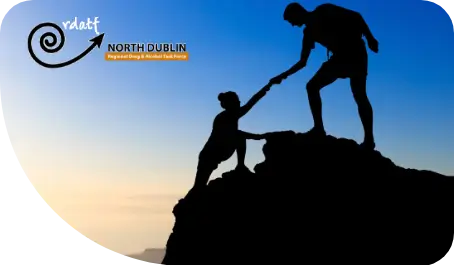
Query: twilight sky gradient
111, 145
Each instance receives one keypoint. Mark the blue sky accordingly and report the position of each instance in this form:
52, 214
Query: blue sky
144, 123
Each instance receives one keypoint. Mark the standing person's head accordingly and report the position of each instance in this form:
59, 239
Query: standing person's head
295, 14
229, 100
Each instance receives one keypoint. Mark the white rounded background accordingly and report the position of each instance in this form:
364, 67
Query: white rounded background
94, 207
81, 204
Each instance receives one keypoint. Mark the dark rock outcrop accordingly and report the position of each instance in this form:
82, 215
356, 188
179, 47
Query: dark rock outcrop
316, 201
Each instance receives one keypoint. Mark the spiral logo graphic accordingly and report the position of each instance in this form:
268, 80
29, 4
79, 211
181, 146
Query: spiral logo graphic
48, 43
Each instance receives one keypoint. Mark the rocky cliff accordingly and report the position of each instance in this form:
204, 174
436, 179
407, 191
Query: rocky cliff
316, 201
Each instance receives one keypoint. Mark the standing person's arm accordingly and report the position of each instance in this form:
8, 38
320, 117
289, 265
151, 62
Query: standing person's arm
365, 30
364, 27
307, 46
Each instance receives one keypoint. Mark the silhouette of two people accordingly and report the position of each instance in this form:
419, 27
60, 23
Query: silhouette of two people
339, 30
225, 137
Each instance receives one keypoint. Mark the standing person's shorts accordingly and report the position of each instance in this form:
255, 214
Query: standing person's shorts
351, 62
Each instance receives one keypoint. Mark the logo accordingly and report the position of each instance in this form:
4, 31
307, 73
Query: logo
89, 25
48, 41
146, 52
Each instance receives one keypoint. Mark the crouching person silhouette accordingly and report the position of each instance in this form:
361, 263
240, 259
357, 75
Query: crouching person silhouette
225, 137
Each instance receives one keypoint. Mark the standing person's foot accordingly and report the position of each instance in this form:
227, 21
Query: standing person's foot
316, 131
368, 145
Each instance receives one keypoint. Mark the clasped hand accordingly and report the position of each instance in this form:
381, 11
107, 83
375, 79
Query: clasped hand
278, 79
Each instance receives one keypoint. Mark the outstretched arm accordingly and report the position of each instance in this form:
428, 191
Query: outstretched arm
248, 135
306, 49
259, 95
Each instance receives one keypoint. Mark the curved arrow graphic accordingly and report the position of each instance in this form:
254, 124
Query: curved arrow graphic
49, 46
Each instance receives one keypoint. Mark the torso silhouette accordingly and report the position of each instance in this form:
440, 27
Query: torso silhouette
336, 28
224, 136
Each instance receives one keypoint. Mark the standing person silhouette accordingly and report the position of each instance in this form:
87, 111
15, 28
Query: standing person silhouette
339, 30
225, 137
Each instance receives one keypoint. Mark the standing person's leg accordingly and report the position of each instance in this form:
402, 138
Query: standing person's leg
326, 75
358, 63
358, 86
